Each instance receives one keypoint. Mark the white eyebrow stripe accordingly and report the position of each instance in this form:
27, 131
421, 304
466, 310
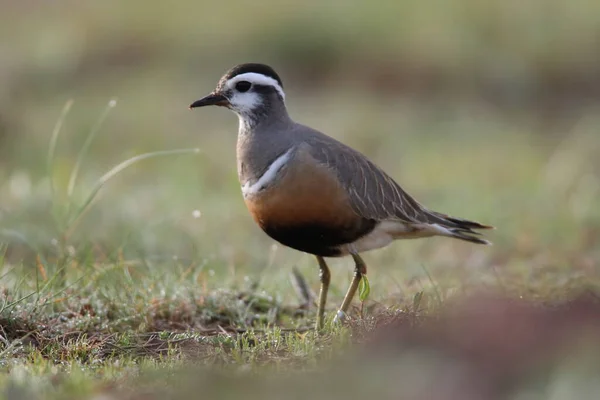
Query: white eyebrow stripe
269, 175
256, 78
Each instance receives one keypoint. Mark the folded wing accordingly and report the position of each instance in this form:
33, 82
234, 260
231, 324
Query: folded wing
375, 195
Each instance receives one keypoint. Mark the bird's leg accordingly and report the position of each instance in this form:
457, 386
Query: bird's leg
360, 269
325, 277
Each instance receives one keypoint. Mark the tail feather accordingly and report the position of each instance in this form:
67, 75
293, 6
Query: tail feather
461, 228
465, 223
468, 236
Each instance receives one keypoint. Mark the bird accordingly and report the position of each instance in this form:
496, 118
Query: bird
312, 193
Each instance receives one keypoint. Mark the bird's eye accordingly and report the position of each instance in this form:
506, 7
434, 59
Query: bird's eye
243, 86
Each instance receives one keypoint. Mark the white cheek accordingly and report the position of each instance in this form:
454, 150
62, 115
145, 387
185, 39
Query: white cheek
245, 102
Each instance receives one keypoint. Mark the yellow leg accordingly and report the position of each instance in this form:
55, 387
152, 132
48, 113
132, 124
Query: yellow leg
360, 269
325, 277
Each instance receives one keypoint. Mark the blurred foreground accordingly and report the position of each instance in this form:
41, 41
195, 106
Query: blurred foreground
165, 288
482, 346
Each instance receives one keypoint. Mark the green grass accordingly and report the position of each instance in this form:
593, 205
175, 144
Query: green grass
146, 287
160, 284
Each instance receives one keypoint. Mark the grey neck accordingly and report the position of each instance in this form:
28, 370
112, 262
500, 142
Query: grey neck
261, 139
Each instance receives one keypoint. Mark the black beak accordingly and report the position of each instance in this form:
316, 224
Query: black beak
213, 99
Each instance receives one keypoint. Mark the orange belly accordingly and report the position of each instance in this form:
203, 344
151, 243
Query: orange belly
308, 209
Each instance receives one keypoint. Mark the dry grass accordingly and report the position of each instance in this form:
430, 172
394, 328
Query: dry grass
164, 287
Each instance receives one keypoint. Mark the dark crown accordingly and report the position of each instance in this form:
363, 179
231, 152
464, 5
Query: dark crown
252, 67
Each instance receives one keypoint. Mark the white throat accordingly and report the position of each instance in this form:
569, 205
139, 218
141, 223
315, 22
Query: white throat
246, 123
245, 104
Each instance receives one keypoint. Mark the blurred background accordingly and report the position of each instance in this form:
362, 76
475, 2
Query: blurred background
486, 110
483, 110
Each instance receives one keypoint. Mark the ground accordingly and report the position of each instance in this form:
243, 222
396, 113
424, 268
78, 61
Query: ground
159, 284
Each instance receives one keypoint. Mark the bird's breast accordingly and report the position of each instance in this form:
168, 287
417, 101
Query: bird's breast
304, 203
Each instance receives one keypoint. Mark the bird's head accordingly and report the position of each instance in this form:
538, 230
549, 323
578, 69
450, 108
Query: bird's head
253, 91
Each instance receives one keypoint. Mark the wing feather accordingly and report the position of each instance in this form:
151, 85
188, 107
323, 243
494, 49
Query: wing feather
373, 194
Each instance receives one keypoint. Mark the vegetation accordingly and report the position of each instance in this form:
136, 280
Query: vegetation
155, 283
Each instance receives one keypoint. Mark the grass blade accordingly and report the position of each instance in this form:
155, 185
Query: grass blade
86, 146
364, 288
16, 235
436, 289
114, 171
52, 145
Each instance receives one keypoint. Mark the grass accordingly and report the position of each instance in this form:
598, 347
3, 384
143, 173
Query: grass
114, 322
160, 285
123, 317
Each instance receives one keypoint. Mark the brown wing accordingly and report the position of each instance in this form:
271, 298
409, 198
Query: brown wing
373, 193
